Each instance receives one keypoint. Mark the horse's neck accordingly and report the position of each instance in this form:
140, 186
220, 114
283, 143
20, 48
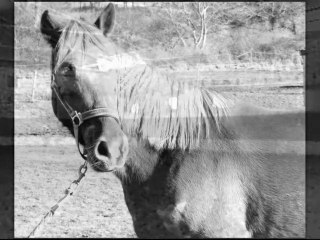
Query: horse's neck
213, 167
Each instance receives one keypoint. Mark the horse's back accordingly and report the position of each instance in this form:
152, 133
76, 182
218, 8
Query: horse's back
272, 131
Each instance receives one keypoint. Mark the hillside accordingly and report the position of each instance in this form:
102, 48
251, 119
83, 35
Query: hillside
151, 32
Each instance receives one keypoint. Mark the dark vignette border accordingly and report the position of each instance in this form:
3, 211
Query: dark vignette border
6, 119
312, 55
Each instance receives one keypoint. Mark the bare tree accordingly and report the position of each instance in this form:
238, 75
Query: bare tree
196, 19
274, 13
179, 28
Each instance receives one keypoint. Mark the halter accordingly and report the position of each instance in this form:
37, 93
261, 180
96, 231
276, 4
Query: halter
79, 118
104, 64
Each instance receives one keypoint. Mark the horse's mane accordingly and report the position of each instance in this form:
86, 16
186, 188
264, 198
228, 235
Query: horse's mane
168, 113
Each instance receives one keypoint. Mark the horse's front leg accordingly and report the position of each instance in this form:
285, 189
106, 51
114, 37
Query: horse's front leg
174, 220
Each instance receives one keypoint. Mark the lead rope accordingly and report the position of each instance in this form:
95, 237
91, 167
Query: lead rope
77, 119
68, 192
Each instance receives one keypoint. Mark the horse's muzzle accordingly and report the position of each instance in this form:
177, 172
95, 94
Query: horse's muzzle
109, 155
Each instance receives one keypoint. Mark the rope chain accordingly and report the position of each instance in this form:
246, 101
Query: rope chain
68, 192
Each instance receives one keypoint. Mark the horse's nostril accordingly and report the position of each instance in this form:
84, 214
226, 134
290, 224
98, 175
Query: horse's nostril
103, 149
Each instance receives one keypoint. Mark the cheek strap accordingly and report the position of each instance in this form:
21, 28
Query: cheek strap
79, 118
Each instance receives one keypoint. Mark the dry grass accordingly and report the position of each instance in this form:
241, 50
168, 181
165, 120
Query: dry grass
151, 35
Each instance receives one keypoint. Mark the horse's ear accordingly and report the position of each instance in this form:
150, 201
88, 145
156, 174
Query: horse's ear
105, 21
50, 27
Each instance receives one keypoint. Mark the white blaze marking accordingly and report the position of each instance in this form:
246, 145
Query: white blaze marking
173, 102
180, 206
135, 108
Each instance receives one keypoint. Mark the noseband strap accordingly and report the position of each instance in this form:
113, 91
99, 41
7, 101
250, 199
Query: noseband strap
79, 118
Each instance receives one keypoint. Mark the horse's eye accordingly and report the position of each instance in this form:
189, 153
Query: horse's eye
67, 69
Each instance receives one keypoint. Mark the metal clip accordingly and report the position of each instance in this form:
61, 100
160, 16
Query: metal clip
77, 119
83, 169
74, 185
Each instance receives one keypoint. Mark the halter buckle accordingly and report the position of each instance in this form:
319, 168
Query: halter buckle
77, 119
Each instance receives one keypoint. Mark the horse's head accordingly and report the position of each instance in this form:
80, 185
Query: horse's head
76, 49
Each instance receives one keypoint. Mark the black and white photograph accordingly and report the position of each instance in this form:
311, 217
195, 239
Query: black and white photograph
160, 119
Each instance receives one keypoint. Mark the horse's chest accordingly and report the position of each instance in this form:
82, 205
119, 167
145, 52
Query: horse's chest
150, 205
170, 206
143, 202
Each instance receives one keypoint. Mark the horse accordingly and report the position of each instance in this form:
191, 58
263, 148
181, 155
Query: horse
192, 162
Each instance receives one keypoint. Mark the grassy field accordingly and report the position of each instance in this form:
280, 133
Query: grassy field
150, 35
97, 210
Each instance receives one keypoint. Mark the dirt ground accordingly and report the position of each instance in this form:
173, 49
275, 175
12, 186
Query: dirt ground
42, 173
44, 168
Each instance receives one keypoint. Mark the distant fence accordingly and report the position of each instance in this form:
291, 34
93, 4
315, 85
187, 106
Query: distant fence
36, 83
252, 57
